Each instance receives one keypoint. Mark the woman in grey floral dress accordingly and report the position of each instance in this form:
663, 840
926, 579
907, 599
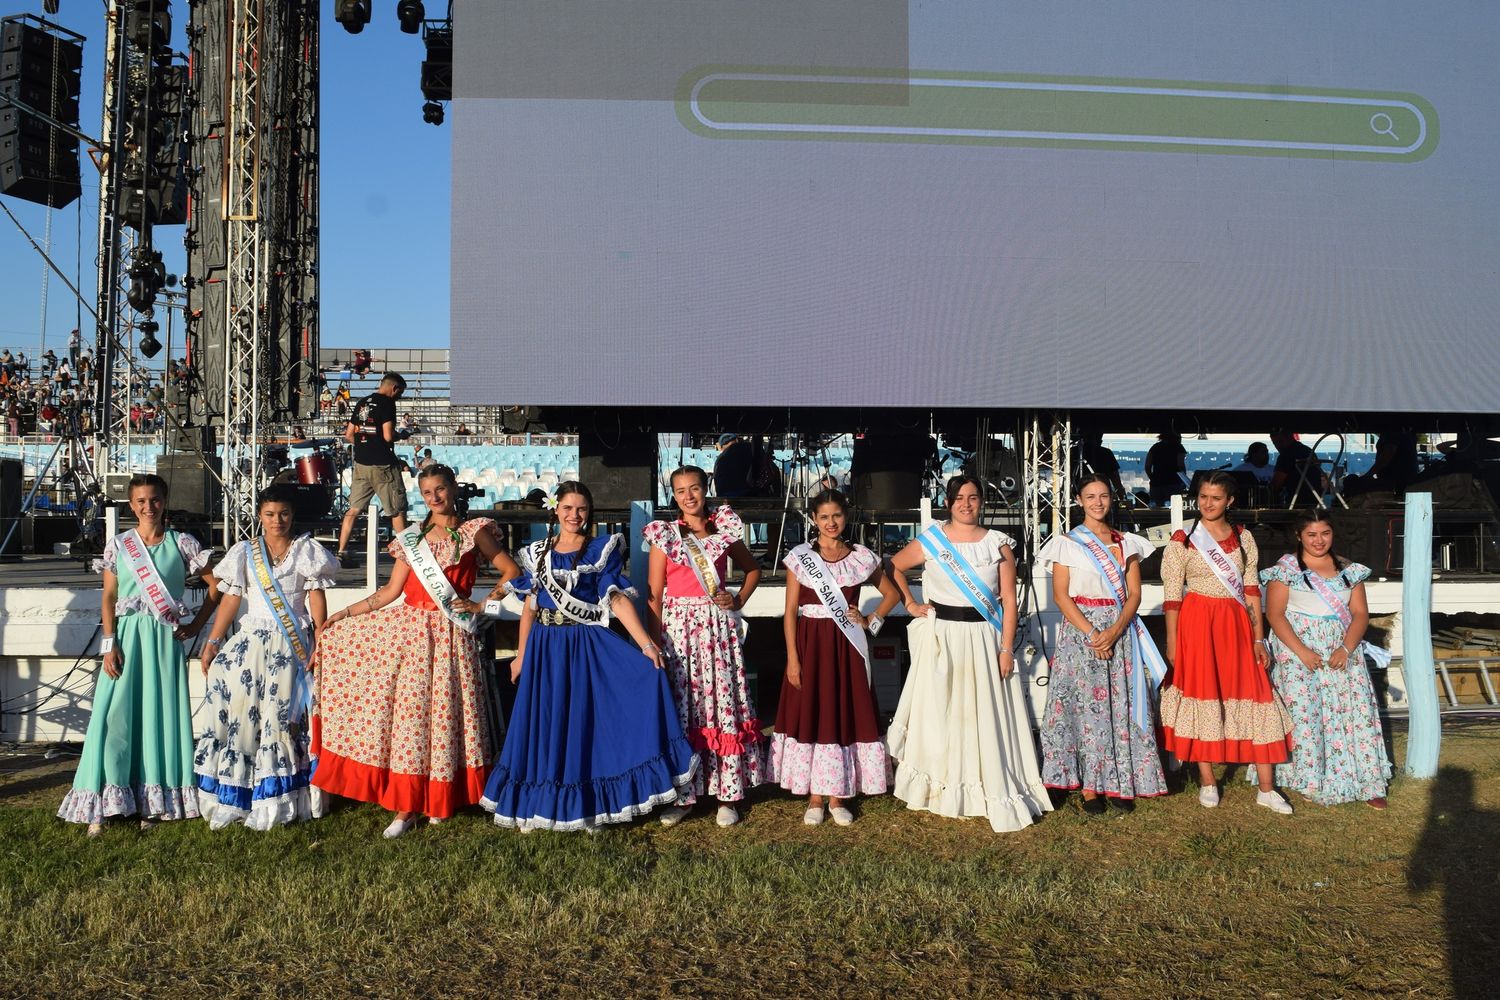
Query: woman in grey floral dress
1098, 732
252, 759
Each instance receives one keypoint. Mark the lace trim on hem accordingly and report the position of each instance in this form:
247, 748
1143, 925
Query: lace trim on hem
625, 815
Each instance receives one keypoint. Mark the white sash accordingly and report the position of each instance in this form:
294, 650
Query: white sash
164, 607
423, 563
580, 611
1219, 562
814, 569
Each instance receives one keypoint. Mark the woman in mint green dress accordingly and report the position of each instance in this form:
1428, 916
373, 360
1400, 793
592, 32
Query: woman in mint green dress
138, 754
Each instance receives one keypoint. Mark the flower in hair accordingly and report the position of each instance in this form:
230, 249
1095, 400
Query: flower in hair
549, 502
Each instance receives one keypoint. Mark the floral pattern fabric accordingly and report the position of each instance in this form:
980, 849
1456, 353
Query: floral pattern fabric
1088, 738
1338, 750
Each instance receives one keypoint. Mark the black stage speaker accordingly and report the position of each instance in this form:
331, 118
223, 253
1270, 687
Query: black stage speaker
886, 469
192, 487
11, 497
619, 470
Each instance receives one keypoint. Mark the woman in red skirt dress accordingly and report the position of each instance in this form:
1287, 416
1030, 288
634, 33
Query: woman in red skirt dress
1217, 706
827, 740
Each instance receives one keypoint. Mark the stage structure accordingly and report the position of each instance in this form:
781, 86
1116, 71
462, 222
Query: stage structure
252, 285
235, 128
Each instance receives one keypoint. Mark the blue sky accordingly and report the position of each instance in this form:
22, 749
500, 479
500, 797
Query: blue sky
385, 197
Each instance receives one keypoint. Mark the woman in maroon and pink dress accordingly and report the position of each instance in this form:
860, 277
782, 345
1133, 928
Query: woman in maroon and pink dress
697, 623
827, 742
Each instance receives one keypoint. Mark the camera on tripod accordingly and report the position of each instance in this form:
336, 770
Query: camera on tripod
466, 492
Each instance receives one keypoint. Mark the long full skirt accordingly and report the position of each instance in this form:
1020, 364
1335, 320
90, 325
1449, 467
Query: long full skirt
701, 644
1217, 705
253, 762
138, 751
961, 734
1089, 739
594, 736
1338, 752
827, 739
402, 717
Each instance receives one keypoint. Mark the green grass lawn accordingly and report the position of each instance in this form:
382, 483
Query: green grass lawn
1173, 900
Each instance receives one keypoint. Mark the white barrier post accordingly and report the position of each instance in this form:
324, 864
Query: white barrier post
372, 546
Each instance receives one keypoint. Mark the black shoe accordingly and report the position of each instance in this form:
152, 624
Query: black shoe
1094, 806
1123, 805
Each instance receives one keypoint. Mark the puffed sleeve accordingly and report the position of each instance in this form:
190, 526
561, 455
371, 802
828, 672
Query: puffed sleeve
1356, 573
1252, 560
109, 558
526, 559
1173, 572
1134, 545
194, 556
1053, 551
472, 528
612, 578
658, 534
729, 524
1279, 572
316, 567
233, 571
395, 550
1001, 540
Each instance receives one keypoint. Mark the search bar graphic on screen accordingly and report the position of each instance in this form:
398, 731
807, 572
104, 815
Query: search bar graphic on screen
1057, 112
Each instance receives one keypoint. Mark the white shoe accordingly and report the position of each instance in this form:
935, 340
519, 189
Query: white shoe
673, 816
1273, 801
1208, 796
813, 816
728, 816
95, 829
398, 827
434, 821
841, 816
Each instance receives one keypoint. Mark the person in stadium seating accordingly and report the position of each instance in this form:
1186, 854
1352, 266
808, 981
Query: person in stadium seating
1257, 462
827, 741
1217, 706
1315, 603
402, 715
732, 467
137, 757
1292, 457
377, 470
696, 621
962, 734
253, 756
1098, 731
1166, 463
594, 737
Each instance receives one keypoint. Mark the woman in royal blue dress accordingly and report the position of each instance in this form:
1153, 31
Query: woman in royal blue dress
594, 737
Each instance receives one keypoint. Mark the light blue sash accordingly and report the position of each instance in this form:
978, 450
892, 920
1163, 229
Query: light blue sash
1147, 667
281, 610
939, 548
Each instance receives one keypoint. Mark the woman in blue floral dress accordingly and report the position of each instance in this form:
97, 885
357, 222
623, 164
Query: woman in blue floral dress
252, 758
1315, 603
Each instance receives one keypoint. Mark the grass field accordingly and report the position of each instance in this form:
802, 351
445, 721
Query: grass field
1172, 901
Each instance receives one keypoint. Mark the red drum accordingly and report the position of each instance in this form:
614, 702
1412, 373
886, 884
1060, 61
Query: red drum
316, 469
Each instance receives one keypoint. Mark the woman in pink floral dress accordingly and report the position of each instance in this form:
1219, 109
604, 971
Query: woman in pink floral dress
697, 623
401, 716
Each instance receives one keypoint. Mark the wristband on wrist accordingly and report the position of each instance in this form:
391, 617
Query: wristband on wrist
106, 645
873, 623
213, 642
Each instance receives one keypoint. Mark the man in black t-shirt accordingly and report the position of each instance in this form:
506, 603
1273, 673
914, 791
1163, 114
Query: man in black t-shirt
377, 470
1292, 456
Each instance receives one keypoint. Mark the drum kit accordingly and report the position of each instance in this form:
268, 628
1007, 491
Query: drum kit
314, 475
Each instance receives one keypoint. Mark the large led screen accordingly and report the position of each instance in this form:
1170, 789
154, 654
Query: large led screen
977, 203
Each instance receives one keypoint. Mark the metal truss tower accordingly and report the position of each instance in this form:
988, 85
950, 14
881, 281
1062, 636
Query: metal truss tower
1046, 474
253, 242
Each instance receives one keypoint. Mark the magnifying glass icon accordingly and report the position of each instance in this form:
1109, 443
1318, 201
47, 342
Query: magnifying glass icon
1381, 124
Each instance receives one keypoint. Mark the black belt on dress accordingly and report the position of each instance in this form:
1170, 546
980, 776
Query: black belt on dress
958, 613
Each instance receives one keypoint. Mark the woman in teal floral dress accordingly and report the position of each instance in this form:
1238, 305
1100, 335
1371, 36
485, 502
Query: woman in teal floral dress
1315, 603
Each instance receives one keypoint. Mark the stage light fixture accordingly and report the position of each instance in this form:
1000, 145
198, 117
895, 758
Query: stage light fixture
353, 15
411, 14
432, 113
149, 346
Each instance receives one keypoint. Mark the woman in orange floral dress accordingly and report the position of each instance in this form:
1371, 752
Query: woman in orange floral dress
402, 717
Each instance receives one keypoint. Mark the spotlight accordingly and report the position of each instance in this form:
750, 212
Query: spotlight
149, 345
353, 15
411, 14
432, 113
